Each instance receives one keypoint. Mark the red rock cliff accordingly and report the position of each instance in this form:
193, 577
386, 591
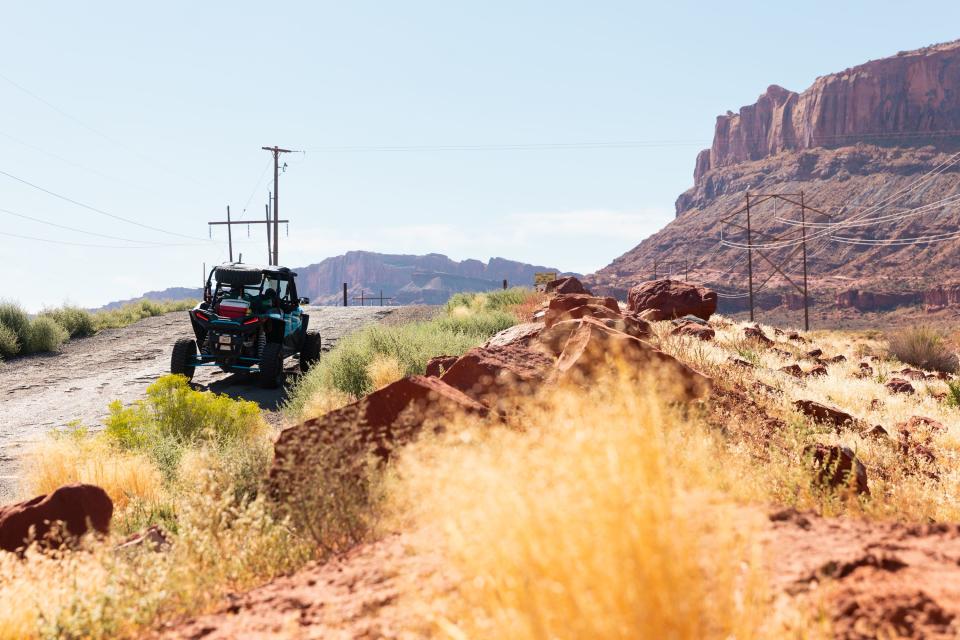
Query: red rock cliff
879, 101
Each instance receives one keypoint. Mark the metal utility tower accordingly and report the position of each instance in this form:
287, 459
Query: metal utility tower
788, 237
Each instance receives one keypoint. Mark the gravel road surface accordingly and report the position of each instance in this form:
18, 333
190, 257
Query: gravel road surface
38, 393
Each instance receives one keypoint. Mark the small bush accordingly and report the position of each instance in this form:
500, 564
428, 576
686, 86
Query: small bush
9, 345
16, 319
44, 334
923, 347
347, 367
136, 311
78, 322
490, 300
173, 417
953, 393
384, 370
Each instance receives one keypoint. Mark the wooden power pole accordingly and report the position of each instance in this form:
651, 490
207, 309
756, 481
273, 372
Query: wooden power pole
276, 151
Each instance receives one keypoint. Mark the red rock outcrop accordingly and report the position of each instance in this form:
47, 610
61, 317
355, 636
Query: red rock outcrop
852, 140
524, 333
838, 467
377, 424
823, 413
484, 373
568, 284
592, 345
877, 301
75, 508
438, 365
672, 299
912, 92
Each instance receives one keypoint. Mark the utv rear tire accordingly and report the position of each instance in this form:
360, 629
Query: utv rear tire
184, 349
271, 365
310, 351
238, 274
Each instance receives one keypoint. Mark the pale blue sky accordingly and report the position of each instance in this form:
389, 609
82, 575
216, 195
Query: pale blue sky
159, 115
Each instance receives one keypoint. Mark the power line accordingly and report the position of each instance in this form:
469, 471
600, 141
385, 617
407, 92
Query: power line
508, 147
96, 210
89, 233
97, 132
96, 246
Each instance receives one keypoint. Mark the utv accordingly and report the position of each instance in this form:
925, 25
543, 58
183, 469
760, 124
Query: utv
250, 320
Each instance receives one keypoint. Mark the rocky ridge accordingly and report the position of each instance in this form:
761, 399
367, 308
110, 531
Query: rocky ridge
871, 134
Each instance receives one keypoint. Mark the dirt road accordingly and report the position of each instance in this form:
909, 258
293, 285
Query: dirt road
38, 393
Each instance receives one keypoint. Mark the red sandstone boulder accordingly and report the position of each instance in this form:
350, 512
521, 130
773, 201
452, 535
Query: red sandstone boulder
837, 467
591, 310
792, 370
436, 366
756, 333
823, 413
876, 431
377, 423
899, 385
568, 301
486, 372
525, 333
919, 428
73, 508
672, 299
567, 284
694, 330
554, 338
652, 315
818, 370
594, 346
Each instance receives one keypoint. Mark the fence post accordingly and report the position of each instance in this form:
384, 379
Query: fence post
344, 294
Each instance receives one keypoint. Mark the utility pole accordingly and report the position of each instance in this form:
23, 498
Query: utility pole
269, 246
230, 224
803, 232
276, 151
749, 257
229, 234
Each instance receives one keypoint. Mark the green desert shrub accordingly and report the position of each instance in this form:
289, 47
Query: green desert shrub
489, 300
9, 345
43, 335
346, 369
16, 319
174, 417
136, 311
923, 347
78, 322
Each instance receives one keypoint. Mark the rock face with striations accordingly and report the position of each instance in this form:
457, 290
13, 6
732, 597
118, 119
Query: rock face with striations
913, 92
851, 142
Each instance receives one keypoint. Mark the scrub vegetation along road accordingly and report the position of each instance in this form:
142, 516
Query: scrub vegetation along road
43, 392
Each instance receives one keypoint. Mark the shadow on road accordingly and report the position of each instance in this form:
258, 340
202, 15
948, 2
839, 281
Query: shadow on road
241, 386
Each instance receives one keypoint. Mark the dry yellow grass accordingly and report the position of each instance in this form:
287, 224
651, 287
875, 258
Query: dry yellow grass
219, 546
904, 487
125, 477
604, 517
384, 370
324, 401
